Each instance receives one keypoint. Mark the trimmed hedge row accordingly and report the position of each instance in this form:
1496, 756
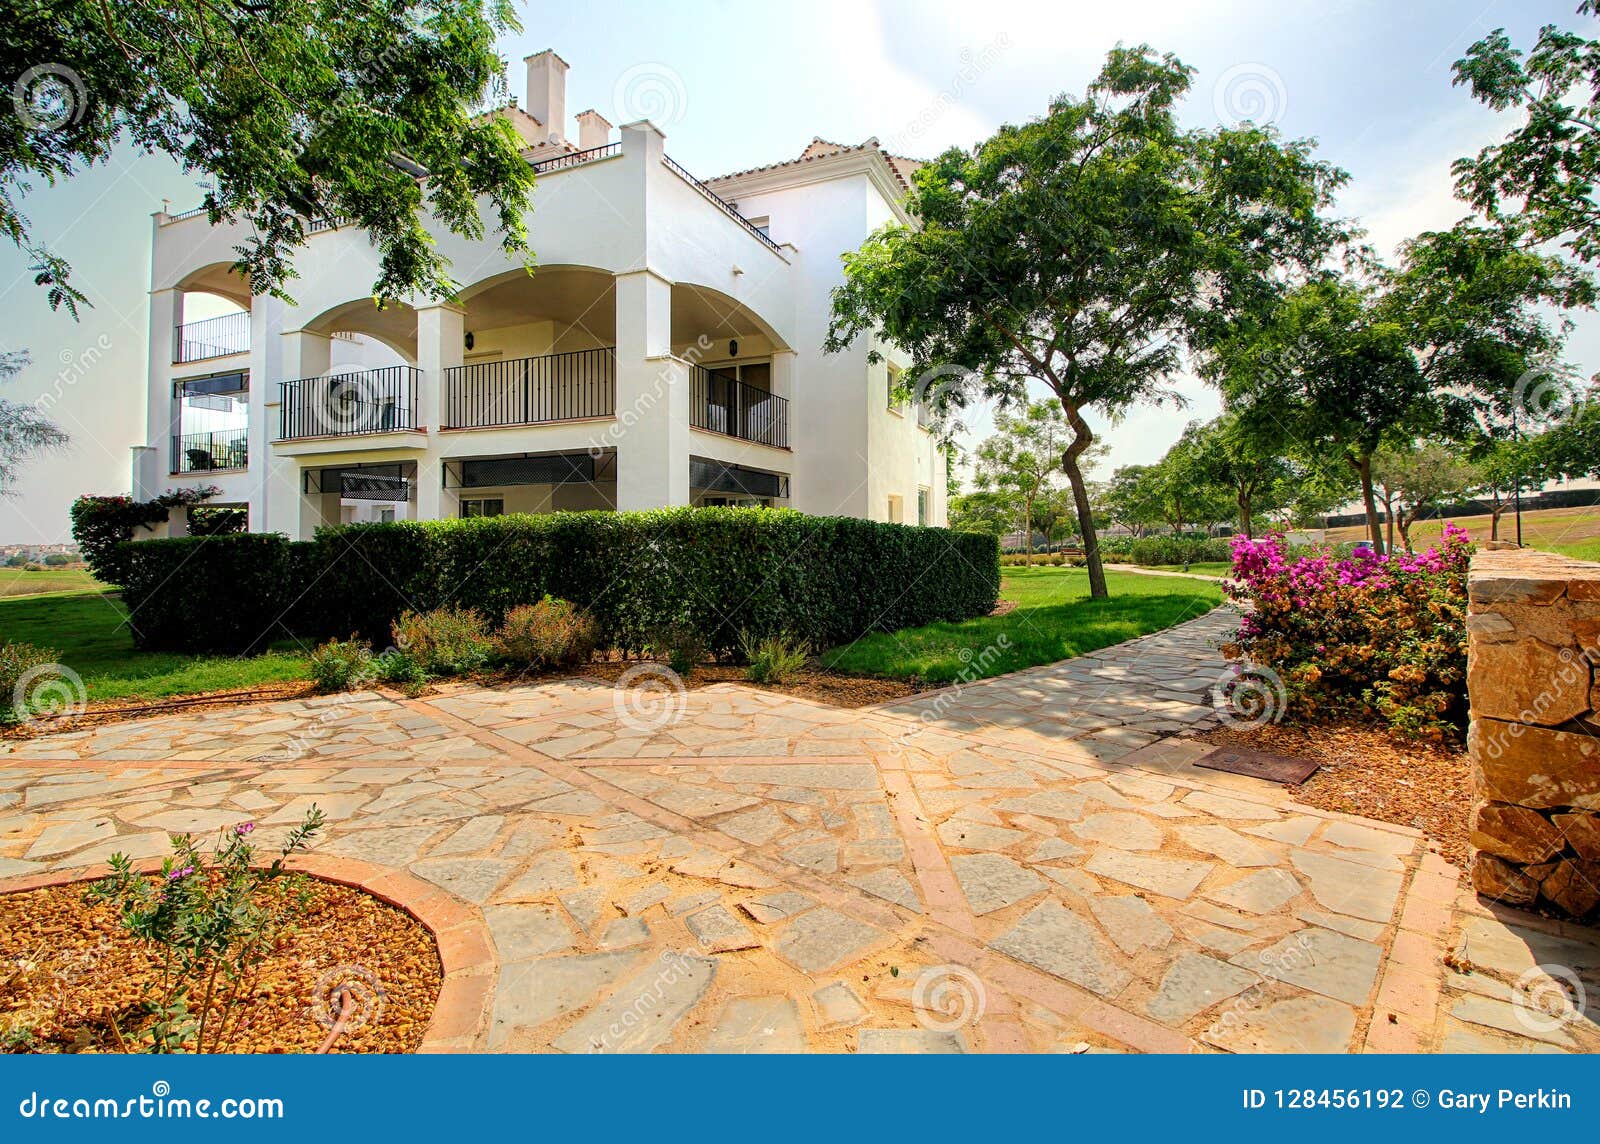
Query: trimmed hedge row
723, 571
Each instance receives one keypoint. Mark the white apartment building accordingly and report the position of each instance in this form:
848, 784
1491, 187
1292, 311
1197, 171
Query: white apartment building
667, 350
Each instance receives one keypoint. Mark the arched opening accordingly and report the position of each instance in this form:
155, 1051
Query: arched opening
211, 317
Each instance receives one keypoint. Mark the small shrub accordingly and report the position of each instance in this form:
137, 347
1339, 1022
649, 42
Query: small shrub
210, 924
551, 633
446, 641
340, 665
16, 661
773, 659
400, 669
1159, 550
680, 645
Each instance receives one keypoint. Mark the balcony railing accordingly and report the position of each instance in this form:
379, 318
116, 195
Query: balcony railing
211, 452
213, 337
721, 403
719, 202
528, 391
349, 404
577, 158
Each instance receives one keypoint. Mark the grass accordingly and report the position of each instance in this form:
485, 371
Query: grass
1572, 531
1054, 619
86, 630
20, 582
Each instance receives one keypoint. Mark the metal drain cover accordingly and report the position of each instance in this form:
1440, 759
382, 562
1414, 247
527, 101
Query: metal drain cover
1258, 765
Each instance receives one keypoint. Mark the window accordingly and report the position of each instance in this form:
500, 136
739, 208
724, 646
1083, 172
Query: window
763, 224
487, 507
386, 516
892, 376
922, 506
897, 510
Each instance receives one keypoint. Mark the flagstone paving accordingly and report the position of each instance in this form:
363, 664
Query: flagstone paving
736, 870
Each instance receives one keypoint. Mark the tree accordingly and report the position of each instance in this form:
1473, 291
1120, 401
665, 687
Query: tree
1416, 477
990, 512
293, 109
1539, 182
1132, 499
1233, 455
1085, 249
1022, 457
24, 431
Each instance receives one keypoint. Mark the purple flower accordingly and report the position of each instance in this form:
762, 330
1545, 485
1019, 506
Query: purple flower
180, 873
244, 828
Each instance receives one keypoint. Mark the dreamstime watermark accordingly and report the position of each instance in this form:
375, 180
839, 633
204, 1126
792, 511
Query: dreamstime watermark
652, 91
1548, 997
75, 366
975, 665
644, 1005
649, 696
1566, 687
48, 691
974, 65
1547, 396
647, 400
348, 997
1249, 93
948, 997
1249, 696
1272, 965
48, 97
303, 740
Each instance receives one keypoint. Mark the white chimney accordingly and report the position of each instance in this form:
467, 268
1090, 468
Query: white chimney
547, 93
593, 130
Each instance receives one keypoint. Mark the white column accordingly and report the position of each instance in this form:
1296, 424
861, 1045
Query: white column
652, 397
305, 354
783, 374
441, 338
161, 413
266, 371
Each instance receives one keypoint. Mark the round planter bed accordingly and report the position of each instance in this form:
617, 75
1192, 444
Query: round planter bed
355, 973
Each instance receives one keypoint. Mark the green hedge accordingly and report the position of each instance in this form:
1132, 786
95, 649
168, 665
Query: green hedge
724, 571
219, 593
1156, 550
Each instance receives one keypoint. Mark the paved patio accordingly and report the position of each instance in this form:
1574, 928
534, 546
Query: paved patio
1030, 863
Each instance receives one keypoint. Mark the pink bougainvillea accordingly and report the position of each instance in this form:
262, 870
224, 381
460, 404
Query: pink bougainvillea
1366, 635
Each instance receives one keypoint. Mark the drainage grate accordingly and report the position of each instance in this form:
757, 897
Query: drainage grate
1258, 765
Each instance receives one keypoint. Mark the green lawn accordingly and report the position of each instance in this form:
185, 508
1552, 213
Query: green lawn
20, 582
1054, 619
86, 630
1578, 549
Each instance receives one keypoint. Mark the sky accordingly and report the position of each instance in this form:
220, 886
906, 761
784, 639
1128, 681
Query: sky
739, 85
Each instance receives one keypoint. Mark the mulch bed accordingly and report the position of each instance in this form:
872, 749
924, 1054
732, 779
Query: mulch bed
67, 967
1366, 772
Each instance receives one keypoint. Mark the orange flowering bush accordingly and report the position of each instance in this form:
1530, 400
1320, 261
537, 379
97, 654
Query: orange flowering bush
1375, 637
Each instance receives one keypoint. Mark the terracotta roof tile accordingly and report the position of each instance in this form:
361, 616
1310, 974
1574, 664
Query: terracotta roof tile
820, 148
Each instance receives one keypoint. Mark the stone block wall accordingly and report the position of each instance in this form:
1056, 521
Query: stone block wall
1533, 643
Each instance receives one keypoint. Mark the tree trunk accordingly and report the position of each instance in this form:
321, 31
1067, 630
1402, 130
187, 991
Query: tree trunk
1388, 515
1363, 466
1495, 509
1244, 511
1027, 532
1082, 438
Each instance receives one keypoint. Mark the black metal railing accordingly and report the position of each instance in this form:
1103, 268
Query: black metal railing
332, 222
212, 337
577, 158
192, 212
719, 202
528, 391
210, 452
721, 403
349, 404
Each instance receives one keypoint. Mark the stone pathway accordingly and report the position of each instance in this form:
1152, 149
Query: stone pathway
1028, 866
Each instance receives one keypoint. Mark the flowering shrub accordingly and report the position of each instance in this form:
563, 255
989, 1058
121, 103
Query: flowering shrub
1376, 637
101, 525
212, 924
